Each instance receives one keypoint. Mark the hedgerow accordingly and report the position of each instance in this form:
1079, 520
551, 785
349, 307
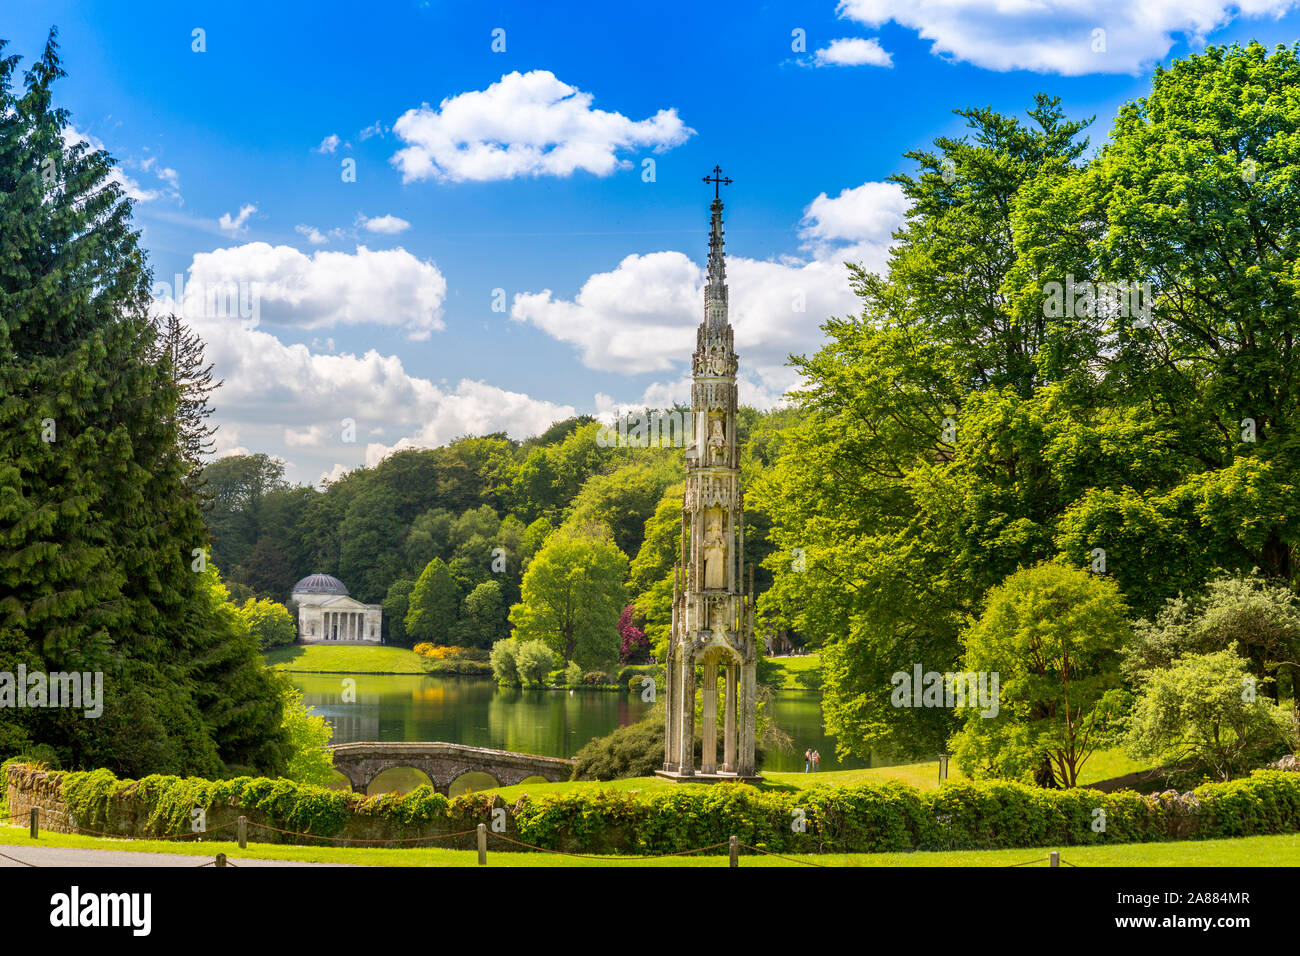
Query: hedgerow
868, 818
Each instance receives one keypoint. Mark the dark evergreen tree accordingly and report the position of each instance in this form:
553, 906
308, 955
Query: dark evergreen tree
183, 351
99, 532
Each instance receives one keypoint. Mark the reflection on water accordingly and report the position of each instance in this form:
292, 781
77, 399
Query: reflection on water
475, 712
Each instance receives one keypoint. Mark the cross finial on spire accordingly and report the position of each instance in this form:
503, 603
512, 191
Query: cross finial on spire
718, 181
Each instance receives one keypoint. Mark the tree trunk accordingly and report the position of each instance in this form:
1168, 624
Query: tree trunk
1044, 777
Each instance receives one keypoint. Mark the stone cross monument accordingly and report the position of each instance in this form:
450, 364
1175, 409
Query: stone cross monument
713, 614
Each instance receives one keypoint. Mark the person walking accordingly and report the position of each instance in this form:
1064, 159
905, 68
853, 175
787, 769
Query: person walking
816, 761
807, 760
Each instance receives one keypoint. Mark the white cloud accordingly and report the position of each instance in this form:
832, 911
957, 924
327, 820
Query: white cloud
475, 408
226, 442
321, 290
311, 437
866, 213
164, 173
388, 225
236, 224
329, 144
854, 51
528, 124
333, 475
375, 129
641, 316
131, 187
1057, 36
276, 395
315, 236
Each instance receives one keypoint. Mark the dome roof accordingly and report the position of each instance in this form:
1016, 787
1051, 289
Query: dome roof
320, 584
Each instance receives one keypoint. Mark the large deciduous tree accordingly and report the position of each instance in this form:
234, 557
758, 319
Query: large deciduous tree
962, 427
434, 605
572, 595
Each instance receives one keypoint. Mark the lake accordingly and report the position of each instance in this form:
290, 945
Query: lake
474, 711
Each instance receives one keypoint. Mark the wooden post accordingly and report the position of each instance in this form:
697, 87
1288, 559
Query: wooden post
734, 850
36, 823
943, 767
221, 859
1056, 858
241, 828
482, 844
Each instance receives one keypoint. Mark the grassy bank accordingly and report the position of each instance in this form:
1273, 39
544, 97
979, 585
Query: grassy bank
798, 673
345, 659
1282, 850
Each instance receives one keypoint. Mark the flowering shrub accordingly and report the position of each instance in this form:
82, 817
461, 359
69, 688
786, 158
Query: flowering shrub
634, 646
434, 652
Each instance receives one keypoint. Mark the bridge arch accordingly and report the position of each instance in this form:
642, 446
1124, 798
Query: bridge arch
398, 779
443, 763
472, 781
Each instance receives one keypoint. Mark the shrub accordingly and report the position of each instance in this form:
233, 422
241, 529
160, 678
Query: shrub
625, 674
534, 661
573, 674
636, 750
309, 736
634, 646
1195, 714
505, 662
436, 653
269, 622
468, 667
595, 678
637, 683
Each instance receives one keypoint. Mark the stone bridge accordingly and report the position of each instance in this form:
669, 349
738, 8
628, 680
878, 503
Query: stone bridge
443, 763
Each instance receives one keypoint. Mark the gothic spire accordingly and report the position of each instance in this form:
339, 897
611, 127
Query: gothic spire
715, 293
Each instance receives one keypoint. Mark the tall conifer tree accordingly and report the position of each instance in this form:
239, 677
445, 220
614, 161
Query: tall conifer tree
98, 531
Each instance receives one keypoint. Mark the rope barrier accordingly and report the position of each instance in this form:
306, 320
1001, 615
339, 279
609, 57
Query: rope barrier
780, 857
126, 836
447, 836
165, 836
16, 860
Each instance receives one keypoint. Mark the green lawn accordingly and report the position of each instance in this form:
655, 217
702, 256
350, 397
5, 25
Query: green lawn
799, 673
1281, 850
345, 659
1103, 765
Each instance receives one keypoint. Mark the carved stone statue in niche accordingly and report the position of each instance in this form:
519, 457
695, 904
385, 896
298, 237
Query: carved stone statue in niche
717, 361
717, 440
715, 553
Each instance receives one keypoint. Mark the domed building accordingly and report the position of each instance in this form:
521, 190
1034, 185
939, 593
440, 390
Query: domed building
326, 613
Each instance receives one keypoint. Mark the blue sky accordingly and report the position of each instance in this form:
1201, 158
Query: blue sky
524, 173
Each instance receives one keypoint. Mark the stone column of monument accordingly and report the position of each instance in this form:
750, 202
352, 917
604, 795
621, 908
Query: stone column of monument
712, 616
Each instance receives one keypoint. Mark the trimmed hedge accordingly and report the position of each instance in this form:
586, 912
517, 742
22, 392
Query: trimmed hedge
868, 818
893, 816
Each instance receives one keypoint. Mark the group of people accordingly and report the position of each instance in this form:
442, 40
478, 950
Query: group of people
811, 761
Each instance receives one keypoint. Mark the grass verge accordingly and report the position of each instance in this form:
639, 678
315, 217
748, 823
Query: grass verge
1281, 850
